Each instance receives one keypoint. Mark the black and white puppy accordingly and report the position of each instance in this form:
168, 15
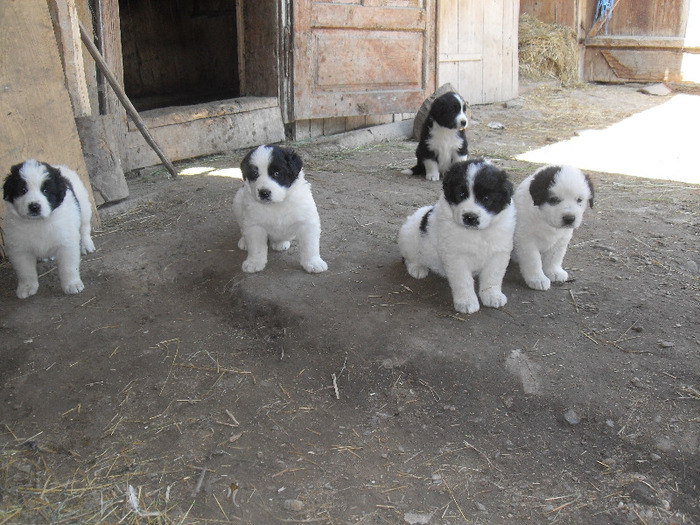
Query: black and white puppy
468, 233
48, 215
443, 138
549, 206
275, 206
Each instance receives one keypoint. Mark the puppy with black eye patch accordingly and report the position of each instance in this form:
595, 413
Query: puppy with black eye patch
467, 234
443, 138
48, 215
549, 205
275, 206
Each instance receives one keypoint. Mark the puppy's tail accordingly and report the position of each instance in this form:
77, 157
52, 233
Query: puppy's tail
418, 169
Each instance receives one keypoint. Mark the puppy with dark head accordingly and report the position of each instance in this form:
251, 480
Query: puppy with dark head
549, 206
48, 215
467, 234
443, 138
275, 206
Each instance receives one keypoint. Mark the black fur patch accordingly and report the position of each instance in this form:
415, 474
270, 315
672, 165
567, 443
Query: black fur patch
54, 186
541, 183
445, 109
424, 220
590, 187
491, 187
15, 186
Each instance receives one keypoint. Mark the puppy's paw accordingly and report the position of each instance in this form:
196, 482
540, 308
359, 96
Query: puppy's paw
417, 271
468, 306
316, 265
252, 266
280, 246
493, 298
242, 245
540, 282
558, 275
86, 246
73, 287
24, 290
434, 176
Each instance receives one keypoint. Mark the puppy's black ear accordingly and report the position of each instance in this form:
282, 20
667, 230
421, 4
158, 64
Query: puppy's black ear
13, 183
590, 187
294, 161
248, 171
543, 180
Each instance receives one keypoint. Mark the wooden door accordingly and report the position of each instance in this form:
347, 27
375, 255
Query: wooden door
478, 48
361, 57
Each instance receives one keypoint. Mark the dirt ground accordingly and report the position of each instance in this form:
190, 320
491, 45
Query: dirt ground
177, 389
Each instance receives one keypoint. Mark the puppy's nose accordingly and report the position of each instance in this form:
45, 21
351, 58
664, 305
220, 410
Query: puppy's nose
264, 195
463, 123
34, 208
470, 219
568, 220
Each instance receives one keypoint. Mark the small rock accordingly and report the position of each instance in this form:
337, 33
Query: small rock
480, 507
666, 344
691, 266
414, 518
571, 417
495, 125
293, 505
658, 90
643, 493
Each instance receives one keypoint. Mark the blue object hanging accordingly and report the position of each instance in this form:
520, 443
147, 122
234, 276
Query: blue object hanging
604, 11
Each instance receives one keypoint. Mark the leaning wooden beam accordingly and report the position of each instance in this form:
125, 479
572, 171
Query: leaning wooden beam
121, 95
595, 29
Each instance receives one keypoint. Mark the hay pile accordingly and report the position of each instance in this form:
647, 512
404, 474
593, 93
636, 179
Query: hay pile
547, 51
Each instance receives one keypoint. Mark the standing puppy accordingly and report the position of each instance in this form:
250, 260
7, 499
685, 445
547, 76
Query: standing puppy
48, 215
443, 138
469, 232
549, 206
275, 205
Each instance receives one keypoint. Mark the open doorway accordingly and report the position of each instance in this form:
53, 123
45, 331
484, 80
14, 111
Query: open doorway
179, 53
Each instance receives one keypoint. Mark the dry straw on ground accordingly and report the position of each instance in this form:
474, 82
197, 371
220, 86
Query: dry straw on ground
547, 51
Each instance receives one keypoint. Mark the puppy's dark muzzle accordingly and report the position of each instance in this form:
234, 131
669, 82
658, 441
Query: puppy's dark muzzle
568, 221
470, 220
34, 209
264, 195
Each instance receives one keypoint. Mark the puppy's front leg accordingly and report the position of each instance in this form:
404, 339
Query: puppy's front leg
491, 279
68, 260
27, 278
530, 262
432, 172
255, 241
552, 261
309, 250
462, 285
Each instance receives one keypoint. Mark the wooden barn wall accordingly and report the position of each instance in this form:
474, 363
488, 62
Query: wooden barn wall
257, 49
644, 39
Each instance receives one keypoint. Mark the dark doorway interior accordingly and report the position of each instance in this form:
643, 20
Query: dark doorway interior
179, 52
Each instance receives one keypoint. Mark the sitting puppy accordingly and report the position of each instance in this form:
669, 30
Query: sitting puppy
48, 215
469, 232
549, 206
275, 204
443, 139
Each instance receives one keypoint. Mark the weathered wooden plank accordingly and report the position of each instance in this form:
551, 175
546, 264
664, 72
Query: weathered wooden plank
385, 18
623, 65
637, 42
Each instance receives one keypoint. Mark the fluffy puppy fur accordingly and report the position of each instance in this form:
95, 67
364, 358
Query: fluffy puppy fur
443, 138
549, 206
468, 233
275, 205
48, 215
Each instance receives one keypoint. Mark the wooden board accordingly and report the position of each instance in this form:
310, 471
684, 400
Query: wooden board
37, 116
354, 59
483, 67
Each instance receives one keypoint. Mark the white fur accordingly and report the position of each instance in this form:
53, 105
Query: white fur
289, 214
452, 250
445, 143
63, 233
541, 237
